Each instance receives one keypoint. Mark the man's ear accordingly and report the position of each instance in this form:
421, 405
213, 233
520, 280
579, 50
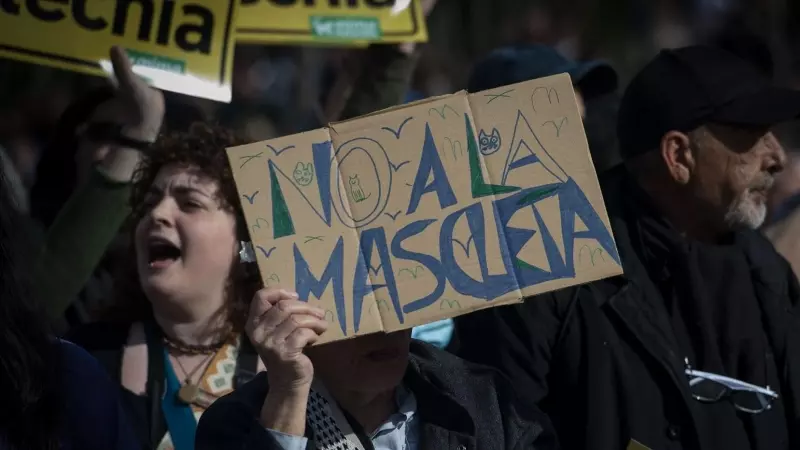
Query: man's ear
676, 152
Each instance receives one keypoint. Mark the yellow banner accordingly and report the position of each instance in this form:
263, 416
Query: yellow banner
183, 46
331, 21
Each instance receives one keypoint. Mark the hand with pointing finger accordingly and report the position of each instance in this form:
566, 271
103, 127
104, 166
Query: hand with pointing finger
135, 105
280, 327
136, 111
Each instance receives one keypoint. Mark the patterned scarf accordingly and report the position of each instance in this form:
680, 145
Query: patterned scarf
329, 426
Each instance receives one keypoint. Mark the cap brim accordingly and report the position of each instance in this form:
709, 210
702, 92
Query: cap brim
594, 78
767, 107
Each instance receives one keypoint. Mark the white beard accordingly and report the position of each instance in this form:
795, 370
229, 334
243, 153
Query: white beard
746, 211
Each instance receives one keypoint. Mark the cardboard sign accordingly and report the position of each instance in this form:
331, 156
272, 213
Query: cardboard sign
430, 210
331, 21
182, 46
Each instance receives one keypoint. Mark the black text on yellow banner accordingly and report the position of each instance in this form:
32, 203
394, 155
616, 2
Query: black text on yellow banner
183, 46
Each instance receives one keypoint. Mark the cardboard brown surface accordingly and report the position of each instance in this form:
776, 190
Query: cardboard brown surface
429, 210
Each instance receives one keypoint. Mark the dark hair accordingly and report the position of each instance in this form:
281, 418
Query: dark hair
201, 148
31, 411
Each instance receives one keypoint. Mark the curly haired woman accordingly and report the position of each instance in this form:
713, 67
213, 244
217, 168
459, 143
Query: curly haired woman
184, 285
176, 345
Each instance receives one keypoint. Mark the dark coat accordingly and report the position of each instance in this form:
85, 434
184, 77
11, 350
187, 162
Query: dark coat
602, 360
460, 406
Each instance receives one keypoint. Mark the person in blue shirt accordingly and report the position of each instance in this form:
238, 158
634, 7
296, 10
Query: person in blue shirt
53, 395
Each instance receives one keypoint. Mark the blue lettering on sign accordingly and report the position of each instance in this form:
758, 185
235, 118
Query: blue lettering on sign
306, 283
378, 162
322, 161
492, 286
370, 193
362, 286
516, 238
518, 274
574, 203
429, 262
321, 153
430, 164
524, 140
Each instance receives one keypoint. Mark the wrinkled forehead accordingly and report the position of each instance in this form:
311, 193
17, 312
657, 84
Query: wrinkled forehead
184, 177
746, 142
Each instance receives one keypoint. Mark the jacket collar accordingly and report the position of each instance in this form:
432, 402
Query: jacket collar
638, 302
435, 406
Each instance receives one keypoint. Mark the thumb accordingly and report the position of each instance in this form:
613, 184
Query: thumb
123, 70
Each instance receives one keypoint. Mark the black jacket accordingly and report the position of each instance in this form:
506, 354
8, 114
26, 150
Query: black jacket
602, 360
460, 406
106, 341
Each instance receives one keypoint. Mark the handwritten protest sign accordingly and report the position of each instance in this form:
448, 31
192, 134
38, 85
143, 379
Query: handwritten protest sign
430, 210
331, 21
183, 46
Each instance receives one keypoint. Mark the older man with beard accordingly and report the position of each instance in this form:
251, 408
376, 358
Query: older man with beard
696, 346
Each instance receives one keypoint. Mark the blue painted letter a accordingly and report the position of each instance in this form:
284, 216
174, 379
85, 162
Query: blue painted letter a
429, 162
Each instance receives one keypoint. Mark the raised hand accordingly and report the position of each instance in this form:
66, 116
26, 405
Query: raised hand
280, 326
135, 105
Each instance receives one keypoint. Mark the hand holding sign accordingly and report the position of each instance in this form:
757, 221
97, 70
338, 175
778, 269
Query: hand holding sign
280, 326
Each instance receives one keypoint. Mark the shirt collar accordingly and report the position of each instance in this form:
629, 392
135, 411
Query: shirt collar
406, 408
405, 401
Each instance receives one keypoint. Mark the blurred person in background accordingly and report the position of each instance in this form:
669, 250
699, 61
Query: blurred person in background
784, 232
382, 391
54, 395
786, 187
697, 344
523, 62
783, 221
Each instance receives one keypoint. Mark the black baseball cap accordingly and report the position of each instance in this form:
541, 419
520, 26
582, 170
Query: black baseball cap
522, 62
685, 88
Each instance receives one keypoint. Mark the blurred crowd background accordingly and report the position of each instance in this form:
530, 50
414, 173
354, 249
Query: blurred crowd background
279, 90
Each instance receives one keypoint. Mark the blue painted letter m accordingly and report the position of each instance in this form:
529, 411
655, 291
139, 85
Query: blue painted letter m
306, 283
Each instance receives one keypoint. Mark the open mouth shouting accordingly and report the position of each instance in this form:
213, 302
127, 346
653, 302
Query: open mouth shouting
161, 253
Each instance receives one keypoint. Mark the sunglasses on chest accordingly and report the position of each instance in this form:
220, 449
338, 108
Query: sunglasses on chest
707, 387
